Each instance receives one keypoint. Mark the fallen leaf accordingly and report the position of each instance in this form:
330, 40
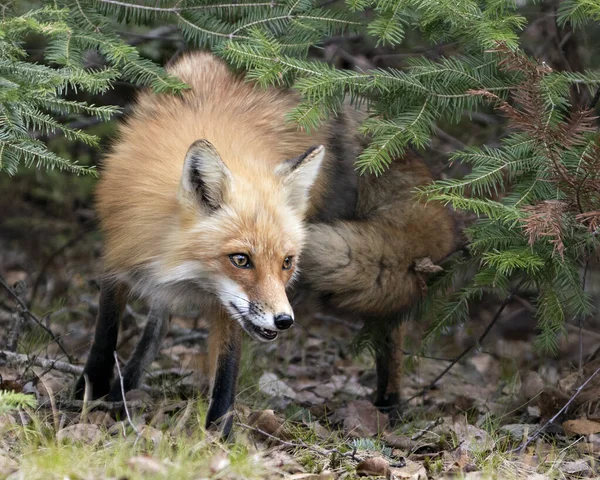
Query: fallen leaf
374, 467
266, 421
138, 395
80, 432
270, 384
402, 442
578, 466
102, 419
412, 471
361, 418
473, 439
325, 390
581, 426
308, 397
425, 265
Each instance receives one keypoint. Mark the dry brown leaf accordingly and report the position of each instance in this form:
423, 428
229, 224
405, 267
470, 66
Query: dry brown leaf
578, 466
102, 419
399, 441
361, 418
425, 265
266, 421
80, 432
138, 395
581, 426
411, 471
270, 384
374, 467
471, 438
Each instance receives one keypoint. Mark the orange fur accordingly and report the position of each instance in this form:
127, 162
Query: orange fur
148, 228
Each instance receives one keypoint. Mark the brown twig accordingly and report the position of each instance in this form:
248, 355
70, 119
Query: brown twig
26, 311
480, 340
566, 405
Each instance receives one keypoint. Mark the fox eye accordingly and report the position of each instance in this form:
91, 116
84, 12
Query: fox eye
240, 260
287, 263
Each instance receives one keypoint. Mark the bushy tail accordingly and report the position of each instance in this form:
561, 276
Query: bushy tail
367, 265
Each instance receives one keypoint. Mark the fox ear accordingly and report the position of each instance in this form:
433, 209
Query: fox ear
299, 175
205, 177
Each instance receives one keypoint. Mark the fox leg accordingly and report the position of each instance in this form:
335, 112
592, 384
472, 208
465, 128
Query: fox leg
388, 364
145, 352
224, 350
100, 362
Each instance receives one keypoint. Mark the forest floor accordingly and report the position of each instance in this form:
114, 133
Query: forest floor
303, 409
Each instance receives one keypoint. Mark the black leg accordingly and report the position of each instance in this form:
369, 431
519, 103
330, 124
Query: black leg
388, 336
224, 355
100, 362
145, 352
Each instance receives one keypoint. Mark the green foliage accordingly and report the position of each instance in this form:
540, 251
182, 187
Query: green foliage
39, 99
544, 227
10, 400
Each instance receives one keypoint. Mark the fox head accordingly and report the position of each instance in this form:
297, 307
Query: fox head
241, 232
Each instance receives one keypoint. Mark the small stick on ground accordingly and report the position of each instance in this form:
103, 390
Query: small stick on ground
26, 311
566, 405
480, 340
123, 393
46, 363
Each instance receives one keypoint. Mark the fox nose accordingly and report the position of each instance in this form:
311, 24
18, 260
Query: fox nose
283, 321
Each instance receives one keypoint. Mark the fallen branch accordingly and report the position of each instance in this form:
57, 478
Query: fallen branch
26, 311
21, 359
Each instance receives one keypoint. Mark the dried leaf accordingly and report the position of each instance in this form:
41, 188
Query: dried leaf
578, 466
412, 471
266, 421
361, 418
270, 384
581, 426
80, 432
425, 265
374, 467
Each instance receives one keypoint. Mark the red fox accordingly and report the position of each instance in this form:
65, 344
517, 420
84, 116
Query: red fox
207, 200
